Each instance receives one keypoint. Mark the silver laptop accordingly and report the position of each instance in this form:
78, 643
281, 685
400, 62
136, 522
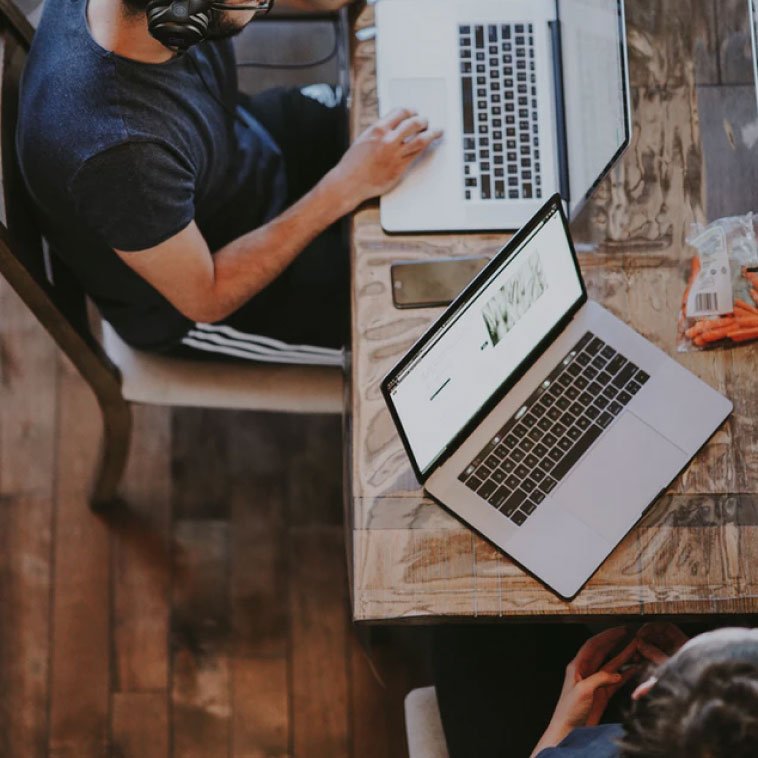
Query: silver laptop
539, 418
533, 96
753, 7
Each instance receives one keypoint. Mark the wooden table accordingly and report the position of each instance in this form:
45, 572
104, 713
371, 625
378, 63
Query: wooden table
696, 551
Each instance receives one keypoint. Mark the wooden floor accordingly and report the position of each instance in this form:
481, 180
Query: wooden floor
209, 616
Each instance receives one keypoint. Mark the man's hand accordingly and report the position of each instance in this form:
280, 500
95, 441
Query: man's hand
659, 640
377, 160
590, 682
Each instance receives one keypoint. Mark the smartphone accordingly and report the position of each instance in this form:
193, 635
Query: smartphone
424, 284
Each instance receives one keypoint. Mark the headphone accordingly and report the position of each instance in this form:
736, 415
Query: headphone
179, 24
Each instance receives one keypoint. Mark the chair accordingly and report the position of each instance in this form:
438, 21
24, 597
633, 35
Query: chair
117, 374
423, 724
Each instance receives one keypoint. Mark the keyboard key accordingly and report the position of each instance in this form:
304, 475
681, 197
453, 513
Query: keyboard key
513, 502
528, 485
574, 433
556, 454
531, 461
599, 362
498, 476
582, 422
487, 489
526, 445
528, 507
474, 483
565, 444
615, 408
537, 497
604, 378
585, 398
608, 352
641, 377
633, 388
601, 402
624, 375
578, 408
529, 421
540, 451
572, 393
559, 430
623, 398
592, 412
499, 497
536, 434
513, 481
549, 440
595, 346
508, 466
522, 471
553, 414
615, 365
610, 392
548, 483
583, 359
577, 451
605, 419
581, 383
538, 475
517, 456
518, 518
590, 372
511, 441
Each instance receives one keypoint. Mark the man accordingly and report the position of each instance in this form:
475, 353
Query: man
699, 701
196, 219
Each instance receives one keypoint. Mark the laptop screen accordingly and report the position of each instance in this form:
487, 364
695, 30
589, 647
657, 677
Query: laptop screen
484, 338
754, 30
595, 90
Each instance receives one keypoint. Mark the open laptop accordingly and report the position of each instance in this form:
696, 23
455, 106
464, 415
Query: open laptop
533, 96
753, 7
538, 417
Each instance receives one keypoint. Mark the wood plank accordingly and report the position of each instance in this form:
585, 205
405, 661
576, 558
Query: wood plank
200, 631
28, 378
260, 723
81, 682
140, 725
199, 451
142, 560
259, 600
318, 606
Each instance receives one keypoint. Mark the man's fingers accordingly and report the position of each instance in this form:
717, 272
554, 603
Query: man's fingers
395, 117
419, 143
651, 652
600, 679
623, 657
592, 653
409, 128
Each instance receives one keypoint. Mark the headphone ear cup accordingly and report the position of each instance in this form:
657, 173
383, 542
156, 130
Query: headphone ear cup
176, 24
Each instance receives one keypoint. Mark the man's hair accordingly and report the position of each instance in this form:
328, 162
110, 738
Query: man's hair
704, 705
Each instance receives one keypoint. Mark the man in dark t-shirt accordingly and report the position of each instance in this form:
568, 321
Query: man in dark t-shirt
193, 216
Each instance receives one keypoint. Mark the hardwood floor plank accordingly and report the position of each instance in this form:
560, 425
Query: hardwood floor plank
140, 725
80, 686
318, 607
200, 449
142, 561
260, 724
28, 376
200, 632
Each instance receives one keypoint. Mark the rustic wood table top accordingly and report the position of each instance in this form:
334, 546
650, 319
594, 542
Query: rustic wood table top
696, 550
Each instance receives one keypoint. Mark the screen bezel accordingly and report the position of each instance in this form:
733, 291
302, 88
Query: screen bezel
554, 204
576, 204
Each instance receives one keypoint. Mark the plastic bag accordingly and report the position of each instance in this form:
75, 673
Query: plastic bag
720, 305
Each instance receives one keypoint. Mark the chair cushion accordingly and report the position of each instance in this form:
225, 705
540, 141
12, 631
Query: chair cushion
159, 380
423, 725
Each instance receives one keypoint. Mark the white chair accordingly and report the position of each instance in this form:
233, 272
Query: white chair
423, 724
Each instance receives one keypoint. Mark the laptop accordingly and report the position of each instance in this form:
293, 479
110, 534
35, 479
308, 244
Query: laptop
753, 7
533, 96
538, 417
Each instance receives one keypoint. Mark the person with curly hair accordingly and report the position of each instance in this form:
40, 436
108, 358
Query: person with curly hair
688, 698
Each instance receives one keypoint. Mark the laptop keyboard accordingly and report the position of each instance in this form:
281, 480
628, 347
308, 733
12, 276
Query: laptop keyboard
501, 148
547, 436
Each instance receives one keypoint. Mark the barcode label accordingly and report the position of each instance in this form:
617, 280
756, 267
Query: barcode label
706, 301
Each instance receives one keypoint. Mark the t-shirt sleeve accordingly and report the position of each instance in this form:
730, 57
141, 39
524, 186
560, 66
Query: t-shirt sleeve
588, 742
134, 195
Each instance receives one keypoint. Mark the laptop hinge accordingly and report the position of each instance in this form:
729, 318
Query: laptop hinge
560, 110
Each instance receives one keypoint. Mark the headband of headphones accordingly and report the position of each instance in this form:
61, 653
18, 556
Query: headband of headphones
179, 24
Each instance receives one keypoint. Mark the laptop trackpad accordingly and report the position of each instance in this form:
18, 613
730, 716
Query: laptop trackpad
618, 479
427, 96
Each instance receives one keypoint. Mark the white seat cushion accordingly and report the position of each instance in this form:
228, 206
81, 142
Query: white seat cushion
159, 380
423, 725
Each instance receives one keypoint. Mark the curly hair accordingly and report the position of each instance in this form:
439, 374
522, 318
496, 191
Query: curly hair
699, 708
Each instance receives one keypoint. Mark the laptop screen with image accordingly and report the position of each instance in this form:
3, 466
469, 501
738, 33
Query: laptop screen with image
481, 342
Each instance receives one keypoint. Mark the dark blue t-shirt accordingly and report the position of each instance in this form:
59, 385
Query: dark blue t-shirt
121, 154
590, 742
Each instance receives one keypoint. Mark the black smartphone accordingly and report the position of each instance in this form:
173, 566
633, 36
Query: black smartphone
424, 284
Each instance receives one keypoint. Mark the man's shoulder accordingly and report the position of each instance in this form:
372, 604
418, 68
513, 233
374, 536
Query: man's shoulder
589, 742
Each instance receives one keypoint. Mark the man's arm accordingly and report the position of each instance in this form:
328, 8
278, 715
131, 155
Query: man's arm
208, 288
